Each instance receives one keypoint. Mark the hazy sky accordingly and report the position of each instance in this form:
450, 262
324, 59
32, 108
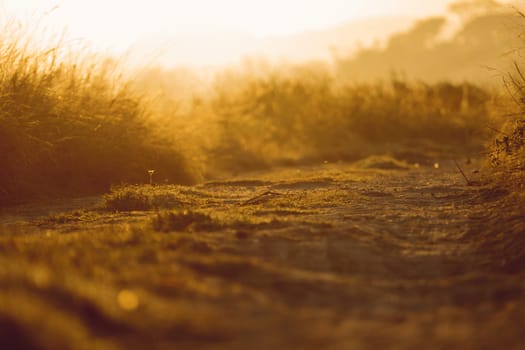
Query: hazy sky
107, 20
117, 24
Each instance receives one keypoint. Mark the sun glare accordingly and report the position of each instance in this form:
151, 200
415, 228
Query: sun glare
210, 31
119, 23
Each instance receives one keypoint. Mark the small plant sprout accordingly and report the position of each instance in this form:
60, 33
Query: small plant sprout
150, 173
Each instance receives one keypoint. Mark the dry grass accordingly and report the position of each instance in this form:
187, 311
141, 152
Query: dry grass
256, 116
73, 122
70, 123
508, 149
129, 198
376, 255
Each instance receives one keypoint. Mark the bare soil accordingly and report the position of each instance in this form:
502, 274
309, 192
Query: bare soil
369, 256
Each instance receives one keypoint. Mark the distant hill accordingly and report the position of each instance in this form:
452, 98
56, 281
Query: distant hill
225, 48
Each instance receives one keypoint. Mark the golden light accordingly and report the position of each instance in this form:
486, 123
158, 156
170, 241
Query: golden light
117, 25
128, 300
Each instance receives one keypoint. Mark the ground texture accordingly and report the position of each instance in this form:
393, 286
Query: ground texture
375, 255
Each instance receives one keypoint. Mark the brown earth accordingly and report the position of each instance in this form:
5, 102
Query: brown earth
377, 255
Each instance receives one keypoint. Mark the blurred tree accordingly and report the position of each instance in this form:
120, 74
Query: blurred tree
468, 9
422, 53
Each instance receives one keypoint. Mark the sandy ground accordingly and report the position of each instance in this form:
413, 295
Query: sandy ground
329, 257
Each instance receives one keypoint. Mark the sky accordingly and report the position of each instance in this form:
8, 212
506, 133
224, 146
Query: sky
118, 24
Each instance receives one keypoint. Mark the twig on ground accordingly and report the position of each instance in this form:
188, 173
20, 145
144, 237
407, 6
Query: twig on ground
469, 182
258, 199
462, 172
495, 130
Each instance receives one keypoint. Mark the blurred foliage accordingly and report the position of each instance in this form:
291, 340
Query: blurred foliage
466, 44
72, 122
258, 115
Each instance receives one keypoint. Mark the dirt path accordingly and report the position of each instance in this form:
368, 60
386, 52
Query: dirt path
334, 257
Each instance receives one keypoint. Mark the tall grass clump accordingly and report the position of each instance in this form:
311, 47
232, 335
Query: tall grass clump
70, 122
130, 198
